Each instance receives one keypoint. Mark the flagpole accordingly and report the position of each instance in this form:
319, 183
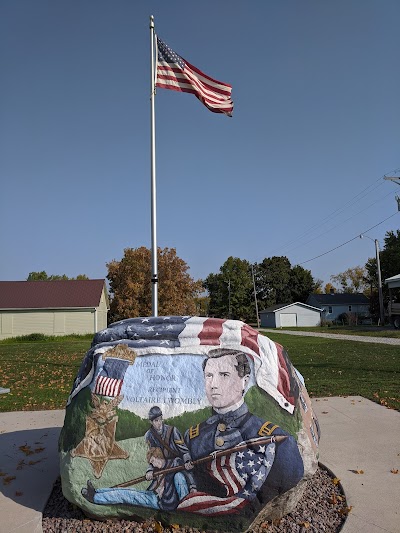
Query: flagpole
154, 273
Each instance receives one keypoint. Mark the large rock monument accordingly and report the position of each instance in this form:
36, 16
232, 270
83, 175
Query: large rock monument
195, 421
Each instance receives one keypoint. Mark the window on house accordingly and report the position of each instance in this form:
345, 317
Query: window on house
330, 309
349, 308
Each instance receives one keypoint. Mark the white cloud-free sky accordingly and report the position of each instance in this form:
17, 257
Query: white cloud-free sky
297, 171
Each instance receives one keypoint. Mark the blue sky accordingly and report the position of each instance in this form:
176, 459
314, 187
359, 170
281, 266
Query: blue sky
297, 171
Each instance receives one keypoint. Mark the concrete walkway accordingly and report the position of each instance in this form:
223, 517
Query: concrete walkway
357, 434
337, 336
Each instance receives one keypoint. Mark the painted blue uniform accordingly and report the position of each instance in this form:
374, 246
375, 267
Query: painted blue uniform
172, 445
261, 471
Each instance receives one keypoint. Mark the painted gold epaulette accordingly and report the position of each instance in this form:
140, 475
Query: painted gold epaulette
194, 431
267, 429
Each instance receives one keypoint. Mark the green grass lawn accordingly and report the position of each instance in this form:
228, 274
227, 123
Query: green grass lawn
342, 368
40, 374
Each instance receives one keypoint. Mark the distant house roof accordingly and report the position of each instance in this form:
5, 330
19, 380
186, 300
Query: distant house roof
50, 294
342, 298
393, 282
277, 307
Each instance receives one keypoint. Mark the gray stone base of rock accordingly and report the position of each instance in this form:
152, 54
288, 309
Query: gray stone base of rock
280, 506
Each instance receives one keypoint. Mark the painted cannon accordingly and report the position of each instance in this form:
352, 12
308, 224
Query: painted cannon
197, 421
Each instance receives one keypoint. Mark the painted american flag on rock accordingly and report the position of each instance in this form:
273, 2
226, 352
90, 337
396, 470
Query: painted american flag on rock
198, 335
242, 473
177, 74
111, 377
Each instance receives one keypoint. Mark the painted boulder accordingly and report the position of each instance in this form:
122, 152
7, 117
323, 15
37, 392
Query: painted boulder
196, 421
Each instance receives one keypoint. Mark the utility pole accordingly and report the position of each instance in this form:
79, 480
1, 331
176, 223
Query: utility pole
395, 179
378, 265
255, 296
229, 308
229, 297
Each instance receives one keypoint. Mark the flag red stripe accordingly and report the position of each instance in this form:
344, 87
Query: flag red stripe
283, 385
203, 503
108, 386
221, 468
250, 338
187, 87
191, 72
214, 81
186, 82
165, 71
211, 331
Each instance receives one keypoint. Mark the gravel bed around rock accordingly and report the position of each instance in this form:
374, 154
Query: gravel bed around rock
323, 508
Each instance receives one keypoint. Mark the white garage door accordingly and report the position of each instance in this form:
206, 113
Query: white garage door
288, 320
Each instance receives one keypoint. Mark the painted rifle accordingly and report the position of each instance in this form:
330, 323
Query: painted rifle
207, 458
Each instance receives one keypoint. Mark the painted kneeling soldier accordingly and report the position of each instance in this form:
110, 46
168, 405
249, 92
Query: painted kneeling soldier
164, 492
261, 470
170, 441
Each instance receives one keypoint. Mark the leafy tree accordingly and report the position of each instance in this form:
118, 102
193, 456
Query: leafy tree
390, 255
231, 290
202, 305
273, 281
302, 284
328, 288
352, 280
42, 276
37, 276
317, 286
130, 284
390, 266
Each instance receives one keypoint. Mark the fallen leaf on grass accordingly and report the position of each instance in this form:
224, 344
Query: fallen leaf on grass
345, 510
357, 471
7, 480
395, 470
336, 481
175, 526
306, 525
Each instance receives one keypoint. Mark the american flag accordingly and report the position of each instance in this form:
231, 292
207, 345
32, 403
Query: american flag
198, 335
177, 74
242, 473
111, 377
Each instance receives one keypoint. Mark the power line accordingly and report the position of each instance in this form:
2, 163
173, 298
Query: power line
350, 240
373, 186
340, 223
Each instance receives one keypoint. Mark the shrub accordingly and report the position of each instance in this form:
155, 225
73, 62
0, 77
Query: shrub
32, 337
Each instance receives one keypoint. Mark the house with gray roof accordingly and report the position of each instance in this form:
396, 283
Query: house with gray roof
290, 315
52, 307
332, 305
